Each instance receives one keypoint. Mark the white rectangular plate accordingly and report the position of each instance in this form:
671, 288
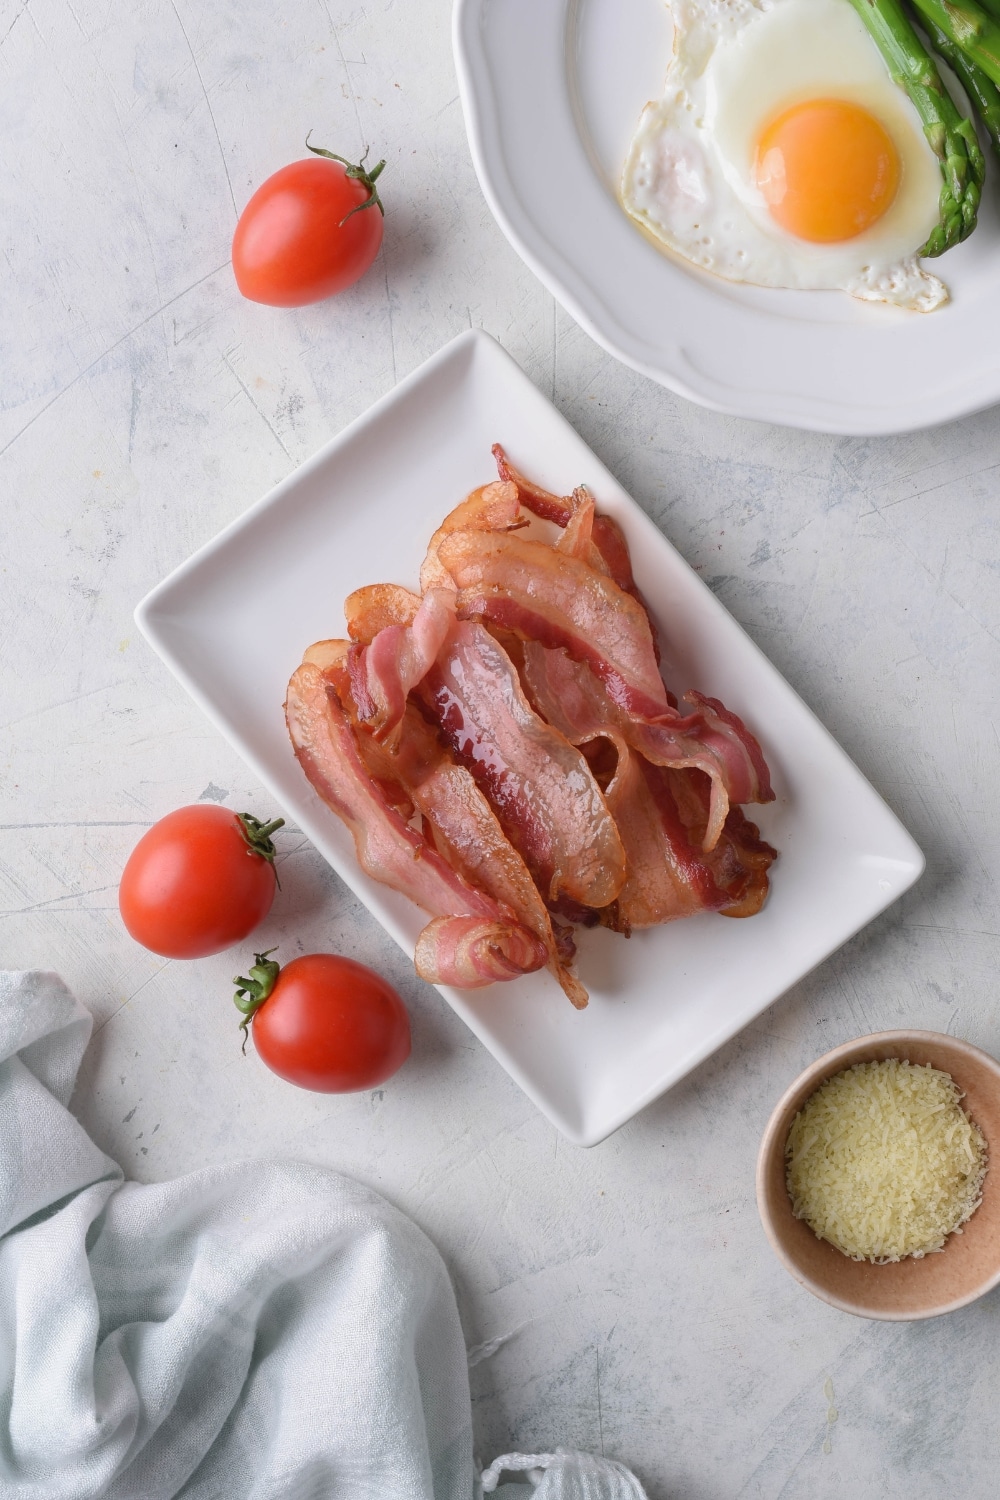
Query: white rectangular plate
361, 511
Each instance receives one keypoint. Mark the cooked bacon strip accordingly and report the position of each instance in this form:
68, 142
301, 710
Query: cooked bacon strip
662, 814
372, 608
385, 671
666, 878
741, 859
669, 876
557, 508
465, 830
541, 788
732, 742
419, 775
392, 852
577, 539
752, 856
327, 655
545, 596
388, 849
713, 740
469, 953
606, 534
610, 542
568, 696
493, 507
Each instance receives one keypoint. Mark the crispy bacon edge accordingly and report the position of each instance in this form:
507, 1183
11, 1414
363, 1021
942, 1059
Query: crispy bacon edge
606, 533
385, 671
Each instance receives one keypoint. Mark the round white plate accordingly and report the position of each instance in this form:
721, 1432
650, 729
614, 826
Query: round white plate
552, 90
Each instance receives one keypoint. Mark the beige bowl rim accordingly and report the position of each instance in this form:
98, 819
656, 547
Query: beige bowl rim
824, 1067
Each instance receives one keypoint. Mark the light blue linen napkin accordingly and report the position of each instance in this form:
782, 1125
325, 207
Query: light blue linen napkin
248, 1332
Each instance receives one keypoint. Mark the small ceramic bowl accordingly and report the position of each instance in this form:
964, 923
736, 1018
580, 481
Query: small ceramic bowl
969, 1264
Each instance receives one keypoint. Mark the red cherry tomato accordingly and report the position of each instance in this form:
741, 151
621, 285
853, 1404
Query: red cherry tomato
325, 1023
308, 232
199, 881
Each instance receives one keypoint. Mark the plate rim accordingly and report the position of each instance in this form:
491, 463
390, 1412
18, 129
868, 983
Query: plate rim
470, 344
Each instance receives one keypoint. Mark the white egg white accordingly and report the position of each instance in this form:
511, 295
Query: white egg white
689, 177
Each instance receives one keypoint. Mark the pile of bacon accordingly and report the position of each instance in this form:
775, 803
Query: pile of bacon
505, 753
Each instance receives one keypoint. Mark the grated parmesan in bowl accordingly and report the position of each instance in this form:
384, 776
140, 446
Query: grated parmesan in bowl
883, 1162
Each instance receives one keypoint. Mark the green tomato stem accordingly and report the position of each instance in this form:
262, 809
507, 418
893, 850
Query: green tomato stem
258, 837
359, 173
254, 989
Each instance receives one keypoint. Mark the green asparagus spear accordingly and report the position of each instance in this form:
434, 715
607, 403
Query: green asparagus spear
982, 91
993, 7
952, 138
969, 27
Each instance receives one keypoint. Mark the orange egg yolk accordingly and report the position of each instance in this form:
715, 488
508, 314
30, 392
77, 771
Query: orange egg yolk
828, 170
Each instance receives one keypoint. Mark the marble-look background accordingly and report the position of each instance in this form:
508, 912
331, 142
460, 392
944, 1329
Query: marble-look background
144, 405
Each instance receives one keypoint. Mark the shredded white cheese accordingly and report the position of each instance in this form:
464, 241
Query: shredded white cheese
883, 1161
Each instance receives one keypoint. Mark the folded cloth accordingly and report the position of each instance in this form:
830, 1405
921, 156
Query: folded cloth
248, 1332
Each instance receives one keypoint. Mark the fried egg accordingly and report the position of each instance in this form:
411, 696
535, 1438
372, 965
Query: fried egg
783, 154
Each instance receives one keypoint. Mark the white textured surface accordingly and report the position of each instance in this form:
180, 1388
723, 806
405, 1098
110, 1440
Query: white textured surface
144, 405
